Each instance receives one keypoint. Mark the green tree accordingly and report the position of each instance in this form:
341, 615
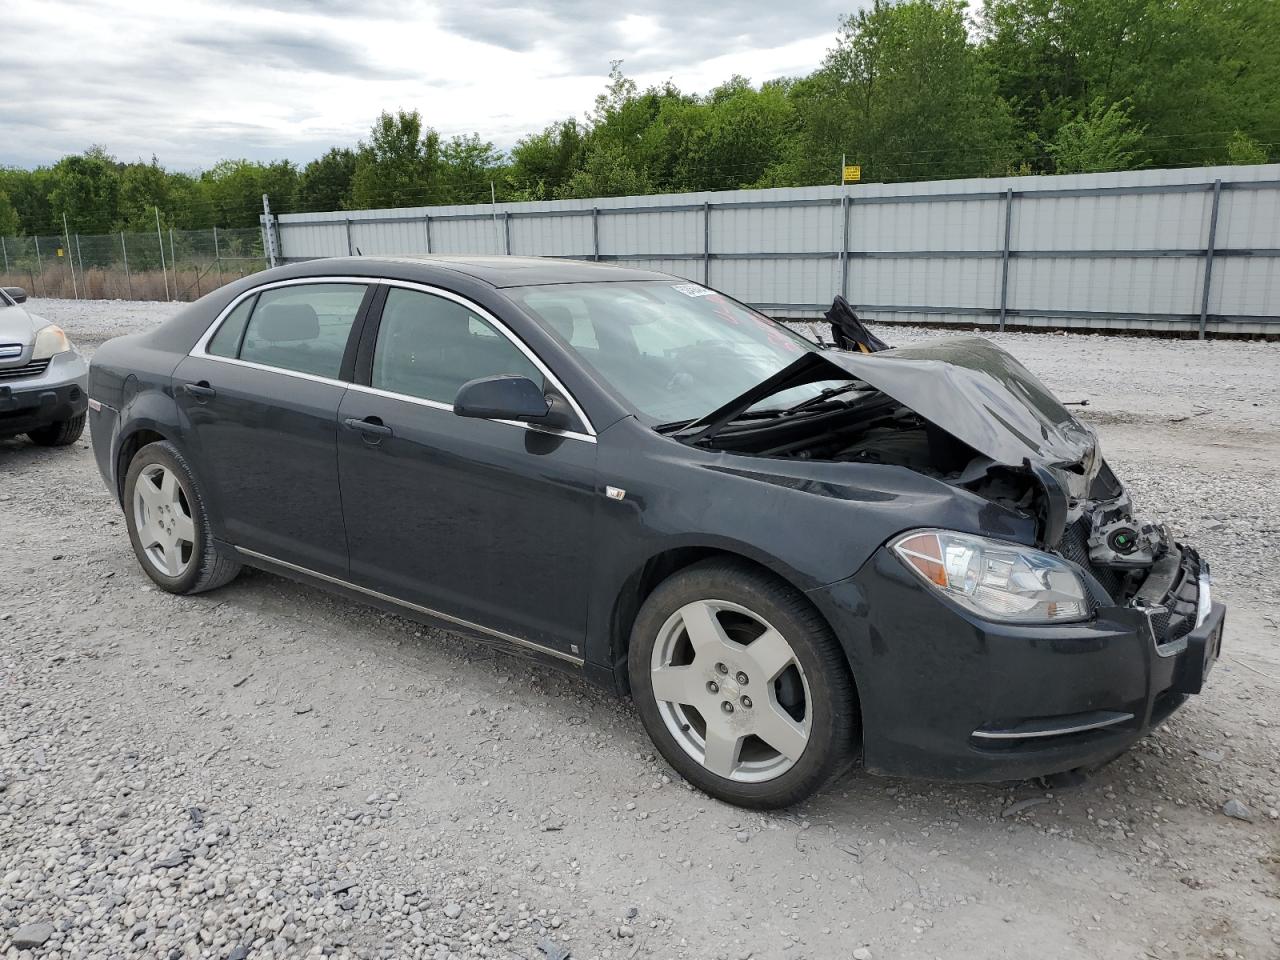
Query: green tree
1190, 69
1243, 149
86, 189
144, 187
905, 94
543, 163
743, 132
325, 183
9, 225
230, 193
398, 165
468, 165
607, 172
1101, 138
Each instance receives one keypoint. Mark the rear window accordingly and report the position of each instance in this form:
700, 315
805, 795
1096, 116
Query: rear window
303, 328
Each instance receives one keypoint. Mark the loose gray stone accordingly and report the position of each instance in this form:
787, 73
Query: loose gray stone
32, 935
1016, 808
1234, 808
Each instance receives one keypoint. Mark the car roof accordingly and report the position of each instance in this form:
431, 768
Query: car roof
495, 271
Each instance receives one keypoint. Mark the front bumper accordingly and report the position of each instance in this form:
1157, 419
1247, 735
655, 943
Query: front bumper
58, 393
945, 695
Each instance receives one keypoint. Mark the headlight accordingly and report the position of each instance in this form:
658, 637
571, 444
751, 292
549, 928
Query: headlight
993, 579
50, 340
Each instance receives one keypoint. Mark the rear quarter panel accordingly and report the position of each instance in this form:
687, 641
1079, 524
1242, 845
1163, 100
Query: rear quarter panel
134, 382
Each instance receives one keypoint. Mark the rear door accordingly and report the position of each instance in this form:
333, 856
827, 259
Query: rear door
260, 398
487, 522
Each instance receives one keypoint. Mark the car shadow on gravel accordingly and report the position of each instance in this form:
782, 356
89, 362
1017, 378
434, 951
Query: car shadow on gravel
561, 699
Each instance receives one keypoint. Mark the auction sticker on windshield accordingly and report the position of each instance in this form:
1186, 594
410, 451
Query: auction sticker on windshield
692, 289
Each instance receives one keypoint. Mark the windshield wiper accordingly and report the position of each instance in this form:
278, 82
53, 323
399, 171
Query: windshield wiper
821, 397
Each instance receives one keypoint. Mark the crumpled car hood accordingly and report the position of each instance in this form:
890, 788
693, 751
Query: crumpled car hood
966, 386
981, 395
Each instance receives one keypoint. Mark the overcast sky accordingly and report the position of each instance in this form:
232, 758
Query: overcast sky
193, 81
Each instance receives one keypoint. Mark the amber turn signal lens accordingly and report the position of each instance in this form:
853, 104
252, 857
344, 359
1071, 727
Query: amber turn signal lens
925, 554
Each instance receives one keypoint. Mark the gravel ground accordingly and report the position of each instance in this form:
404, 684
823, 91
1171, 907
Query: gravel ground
266, 771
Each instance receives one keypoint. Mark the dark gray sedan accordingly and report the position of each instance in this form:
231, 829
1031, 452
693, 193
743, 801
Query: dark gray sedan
787, 554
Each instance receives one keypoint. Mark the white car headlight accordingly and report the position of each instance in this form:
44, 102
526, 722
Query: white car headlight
994, 579
50, 340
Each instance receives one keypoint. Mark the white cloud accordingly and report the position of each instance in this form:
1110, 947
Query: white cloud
192, 81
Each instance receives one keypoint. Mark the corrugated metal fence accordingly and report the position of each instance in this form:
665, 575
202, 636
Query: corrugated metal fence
1189, 250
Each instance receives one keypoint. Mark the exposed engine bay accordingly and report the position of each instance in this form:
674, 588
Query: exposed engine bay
966, 413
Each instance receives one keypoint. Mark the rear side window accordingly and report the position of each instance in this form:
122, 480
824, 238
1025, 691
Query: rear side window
429, 346
226, 342
303, 328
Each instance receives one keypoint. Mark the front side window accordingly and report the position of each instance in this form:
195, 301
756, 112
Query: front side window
674, 351
302, 328
429, 346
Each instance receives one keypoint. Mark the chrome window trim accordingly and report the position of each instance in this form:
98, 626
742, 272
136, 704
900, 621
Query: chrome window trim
468, 624
502, 329
448, 408
235, 361
201, 350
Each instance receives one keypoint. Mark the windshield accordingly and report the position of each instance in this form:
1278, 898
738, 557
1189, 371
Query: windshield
674, 350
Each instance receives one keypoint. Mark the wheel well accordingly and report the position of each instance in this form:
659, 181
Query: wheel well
643, 582
128, 449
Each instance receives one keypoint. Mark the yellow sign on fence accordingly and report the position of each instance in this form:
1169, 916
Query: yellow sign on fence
852, 174
59, 251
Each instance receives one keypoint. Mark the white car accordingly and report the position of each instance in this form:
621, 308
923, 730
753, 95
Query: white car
44, 380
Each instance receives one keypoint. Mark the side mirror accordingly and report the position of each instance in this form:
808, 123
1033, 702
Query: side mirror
16, 294
512, 397
505, 397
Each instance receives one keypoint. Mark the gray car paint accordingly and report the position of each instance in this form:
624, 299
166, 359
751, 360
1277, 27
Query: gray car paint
19, 325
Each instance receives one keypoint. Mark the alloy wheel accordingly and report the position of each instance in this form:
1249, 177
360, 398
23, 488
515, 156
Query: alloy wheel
731, 692
162, 517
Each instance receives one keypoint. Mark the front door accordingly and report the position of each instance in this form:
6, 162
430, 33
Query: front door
260, 404
484, 521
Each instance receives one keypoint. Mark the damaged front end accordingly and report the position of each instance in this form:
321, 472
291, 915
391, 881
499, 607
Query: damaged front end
966, 413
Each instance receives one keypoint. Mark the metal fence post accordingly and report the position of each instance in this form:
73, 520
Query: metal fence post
268, 233
40, 264
1208, 257
1004, 256
124, 250
706, 244
844, 246
70, 263
173, 263
217, 255
160, 241
5, 251
506, 230
350, 248
595, 233
426, 226
84, 279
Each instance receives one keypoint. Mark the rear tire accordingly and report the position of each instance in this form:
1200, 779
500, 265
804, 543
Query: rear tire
60, 434
168, 524
741, 685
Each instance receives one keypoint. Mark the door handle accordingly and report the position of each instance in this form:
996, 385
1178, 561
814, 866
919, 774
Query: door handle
201, 391
370, 426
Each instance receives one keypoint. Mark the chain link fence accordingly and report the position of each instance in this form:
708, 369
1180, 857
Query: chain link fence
173, 265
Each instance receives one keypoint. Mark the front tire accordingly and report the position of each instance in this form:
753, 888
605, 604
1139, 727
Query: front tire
741, 685
168, 525
60, 434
